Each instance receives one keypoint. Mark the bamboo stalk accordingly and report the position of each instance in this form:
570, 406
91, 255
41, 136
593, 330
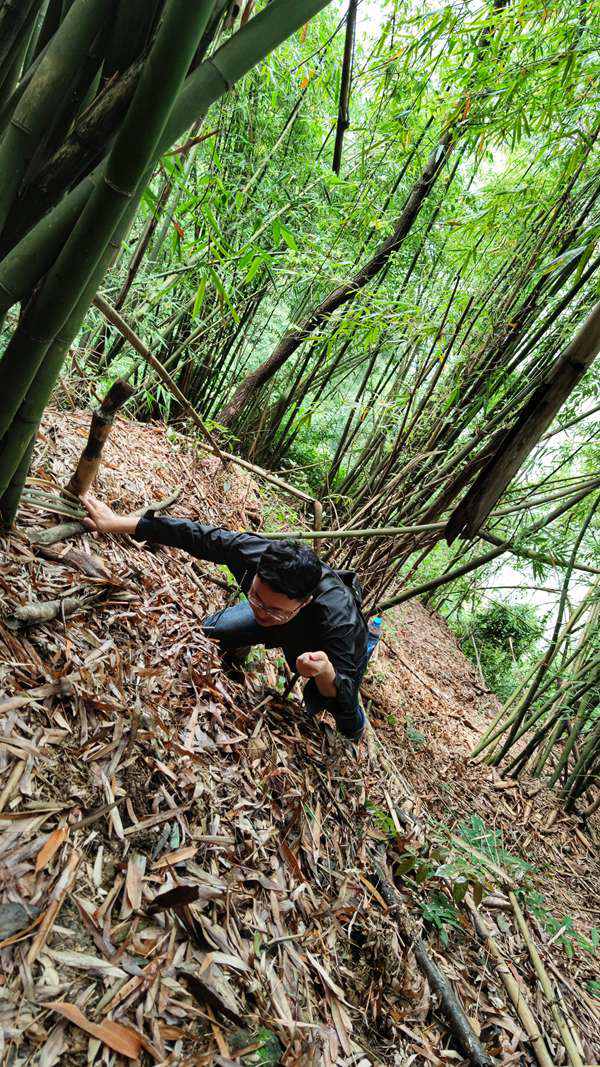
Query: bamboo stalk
341, 535
132, 153
514, 990
29, 260
102, 421
451, 1006
36, 109
9, 502
211, 445
112, 315
564, 1030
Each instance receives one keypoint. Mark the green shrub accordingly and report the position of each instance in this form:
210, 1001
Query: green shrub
499, 638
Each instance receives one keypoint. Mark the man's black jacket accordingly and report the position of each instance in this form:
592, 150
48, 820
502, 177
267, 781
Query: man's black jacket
331, 622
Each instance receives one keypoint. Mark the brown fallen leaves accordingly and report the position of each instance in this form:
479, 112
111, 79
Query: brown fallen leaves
119, 1038
199, 855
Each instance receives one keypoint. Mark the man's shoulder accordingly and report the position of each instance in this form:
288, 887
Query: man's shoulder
335, 601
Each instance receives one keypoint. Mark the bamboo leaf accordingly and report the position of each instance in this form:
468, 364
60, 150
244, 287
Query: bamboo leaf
198, 302
51, 847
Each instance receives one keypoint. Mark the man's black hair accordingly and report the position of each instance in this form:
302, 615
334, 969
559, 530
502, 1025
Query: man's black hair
290, 568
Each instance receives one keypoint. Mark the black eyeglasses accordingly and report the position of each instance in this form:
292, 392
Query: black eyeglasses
273, 613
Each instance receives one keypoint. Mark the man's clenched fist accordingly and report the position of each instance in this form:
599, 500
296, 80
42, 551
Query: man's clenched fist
317, 665
311, 664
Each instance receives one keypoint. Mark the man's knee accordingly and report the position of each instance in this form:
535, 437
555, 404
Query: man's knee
233, 627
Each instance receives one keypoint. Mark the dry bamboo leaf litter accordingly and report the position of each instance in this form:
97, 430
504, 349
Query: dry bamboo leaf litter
193, 861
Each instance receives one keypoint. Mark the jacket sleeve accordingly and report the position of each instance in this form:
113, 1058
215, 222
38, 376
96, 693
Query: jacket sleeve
238, 551
345, 708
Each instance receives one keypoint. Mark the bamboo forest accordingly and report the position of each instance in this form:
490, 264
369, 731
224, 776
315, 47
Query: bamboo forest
300, 533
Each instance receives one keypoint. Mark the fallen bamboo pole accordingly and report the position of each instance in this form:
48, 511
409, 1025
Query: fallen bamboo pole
450, 1004
575, 1058
513, 989
340, 535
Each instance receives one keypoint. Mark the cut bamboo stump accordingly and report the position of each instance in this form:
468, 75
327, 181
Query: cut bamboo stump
102, 420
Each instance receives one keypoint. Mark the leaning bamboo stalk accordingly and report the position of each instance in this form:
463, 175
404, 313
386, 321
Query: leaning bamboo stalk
566, 1034
485, 557
9, 501
36, 351
24, 426
112, 315
531, 423
210, 444
513, 989
102, 421
342, 535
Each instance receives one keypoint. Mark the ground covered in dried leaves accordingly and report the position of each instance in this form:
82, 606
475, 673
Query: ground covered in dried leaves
188, 867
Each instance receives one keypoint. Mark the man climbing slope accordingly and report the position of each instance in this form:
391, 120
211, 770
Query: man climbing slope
294, 602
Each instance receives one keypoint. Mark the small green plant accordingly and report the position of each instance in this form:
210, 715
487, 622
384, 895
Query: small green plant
382, 818
562, 931
256, 656
491, 843
593, 987
417, 739
441, 914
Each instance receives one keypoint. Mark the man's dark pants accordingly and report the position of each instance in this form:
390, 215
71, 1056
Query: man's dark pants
236, 628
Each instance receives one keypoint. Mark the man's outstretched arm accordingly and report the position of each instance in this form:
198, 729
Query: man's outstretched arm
238, 551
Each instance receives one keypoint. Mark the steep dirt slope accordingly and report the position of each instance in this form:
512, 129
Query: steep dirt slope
131, 767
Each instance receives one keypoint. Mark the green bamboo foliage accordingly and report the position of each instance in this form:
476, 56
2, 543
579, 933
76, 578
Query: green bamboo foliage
36, 110
134, 150
28, 261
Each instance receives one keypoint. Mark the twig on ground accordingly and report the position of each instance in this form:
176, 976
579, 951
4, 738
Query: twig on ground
513, 989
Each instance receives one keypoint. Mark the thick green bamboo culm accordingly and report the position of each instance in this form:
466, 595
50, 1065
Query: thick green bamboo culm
14, 18
134, 150
10, 70
32, 258
19, 442
36, 109
9, 501
29, 260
